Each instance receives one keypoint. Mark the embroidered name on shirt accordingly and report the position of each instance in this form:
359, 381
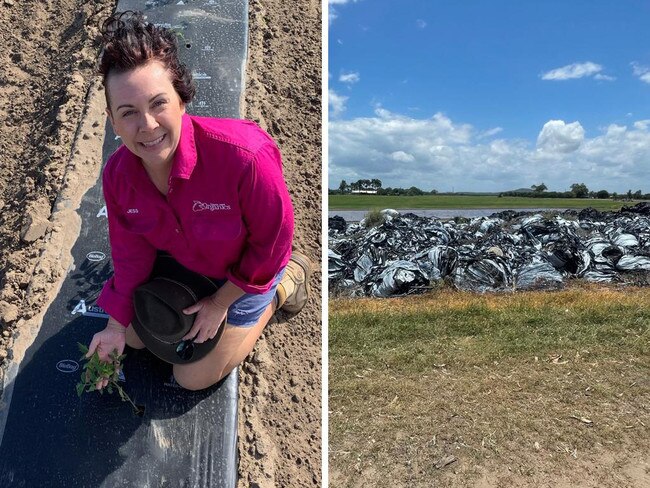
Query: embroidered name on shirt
200, 206
132, 211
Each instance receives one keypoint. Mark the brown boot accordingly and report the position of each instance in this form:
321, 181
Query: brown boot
293, 290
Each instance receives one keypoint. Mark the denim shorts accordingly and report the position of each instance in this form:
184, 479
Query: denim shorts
246, 310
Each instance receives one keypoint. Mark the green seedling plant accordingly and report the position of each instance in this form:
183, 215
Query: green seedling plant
96, 370
178, 33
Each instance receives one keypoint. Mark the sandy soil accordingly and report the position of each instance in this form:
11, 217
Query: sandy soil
46, 68
280, 437
48, 156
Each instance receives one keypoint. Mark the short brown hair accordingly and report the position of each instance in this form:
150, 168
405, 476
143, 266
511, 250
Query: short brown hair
130, 42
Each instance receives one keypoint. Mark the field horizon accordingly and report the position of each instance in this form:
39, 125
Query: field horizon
378, 202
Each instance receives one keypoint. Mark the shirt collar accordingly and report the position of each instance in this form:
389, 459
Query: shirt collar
184, 158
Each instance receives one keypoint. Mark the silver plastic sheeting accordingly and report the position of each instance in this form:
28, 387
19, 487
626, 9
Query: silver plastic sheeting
399, 277
633, 263
538, 275
506, 251
492, 273
363, 269
443, 259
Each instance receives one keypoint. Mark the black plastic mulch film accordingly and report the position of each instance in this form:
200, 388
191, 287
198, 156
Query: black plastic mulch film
51, 438
507, 251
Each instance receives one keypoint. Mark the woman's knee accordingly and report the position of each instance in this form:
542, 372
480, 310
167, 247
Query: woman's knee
195, 382
233, 347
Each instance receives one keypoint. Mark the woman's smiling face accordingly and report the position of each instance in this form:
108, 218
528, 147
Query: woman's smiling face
146, 113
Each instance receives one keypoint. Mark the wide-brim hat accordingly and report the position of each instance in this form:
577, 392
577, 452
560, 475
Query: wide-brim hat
159, 319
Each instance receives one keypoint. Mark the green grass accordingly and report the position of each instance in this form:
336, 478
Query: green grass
377, 202
499, 381
469, 329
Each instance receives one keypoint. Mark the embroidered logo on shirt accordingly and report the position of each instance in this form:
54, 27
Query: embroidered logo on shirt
132, 211
201, 206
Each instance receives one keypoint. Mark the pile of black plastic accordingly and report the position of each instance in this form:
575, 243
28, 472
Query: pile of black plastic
507, 251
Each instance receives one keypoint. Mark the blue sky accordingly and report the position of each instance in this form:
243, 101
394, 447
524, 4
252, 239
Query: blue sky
481, 95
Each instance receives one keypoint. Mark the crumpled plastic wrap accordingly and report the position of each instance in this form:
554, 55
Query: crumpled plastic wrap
399, 278
506, 251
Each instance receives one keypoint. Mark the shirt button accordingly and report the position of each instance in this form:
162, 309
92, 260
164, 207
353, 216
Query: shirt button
178, 231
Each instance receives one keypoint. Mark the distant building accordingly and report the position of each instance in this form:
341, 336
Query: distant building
369, 192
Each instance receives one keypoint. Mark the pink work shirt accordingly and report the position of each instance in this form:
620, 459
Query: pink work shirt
227, 213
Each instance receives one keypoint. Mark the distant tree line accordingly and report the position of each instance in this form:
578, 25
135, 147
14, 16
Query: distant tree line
578, 190
411, 192
359, 185
374, 186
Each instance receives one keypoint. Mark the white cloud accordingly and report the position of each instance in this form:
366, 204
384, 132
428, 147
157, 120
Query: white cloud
336, 103
420, 23
599, 76
642, 124
558, 137
573, 71
490, 132
614, 130
332, 13
402, 156
349, 78
642, 72
440, 153
638, 69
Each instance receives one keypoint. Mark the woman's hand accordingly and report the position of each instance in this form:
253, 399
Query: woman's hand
113, 337
211, 313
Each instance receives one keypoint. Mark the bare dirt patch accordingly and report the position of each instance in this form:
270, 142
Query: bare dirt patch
280, 392
457, 389
46, 69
